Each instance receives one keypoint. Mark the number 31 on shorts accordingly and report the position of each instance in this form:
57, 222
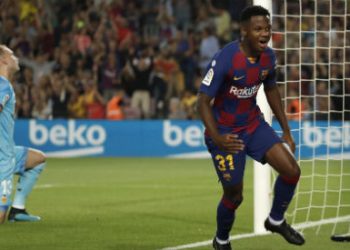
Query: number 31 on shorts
224, 162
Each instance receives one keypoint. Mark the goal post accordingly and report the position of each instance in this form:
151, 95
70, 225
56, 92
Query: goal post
262, 174
311, 39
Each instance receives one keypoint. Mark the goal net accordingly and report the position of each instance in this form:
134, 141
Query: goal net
312, 42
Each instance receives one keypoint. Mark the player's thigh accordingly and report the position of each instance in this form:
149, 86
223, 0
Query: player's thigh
27, 158
266, 147
229, 167
282, 160
261, 141
34, 158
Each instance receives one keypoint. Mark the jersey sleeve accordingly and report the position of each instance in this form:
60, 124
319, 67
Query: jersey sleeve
5, 95
215, 74
270, 80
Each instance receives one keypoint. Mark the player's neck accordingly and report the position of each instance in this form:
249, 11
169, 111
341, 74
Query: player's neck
4, 73
247, 51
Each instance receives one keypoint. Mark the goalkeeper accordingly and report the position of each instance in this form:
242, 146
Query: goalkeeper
235, 126
26, 162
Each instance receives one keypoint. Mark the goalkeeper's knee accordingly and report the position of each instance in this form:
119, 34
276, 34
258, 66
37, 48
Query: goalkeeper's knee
40, 157
36, 161
39, 168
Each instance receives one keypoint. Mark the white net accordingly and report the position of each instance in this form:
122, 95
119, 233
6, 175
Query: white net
312, 42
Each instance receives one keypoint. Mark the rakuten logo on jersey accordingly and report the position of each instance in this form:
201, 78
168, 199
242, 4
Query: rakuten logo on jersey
69, 135
245, 92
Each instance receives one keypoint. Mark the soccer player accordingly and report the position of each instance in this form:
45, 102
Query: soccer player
235, 126
26, 162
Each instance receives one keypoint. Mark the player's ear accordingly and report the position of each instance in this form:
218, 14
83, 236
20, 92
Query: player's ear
3, 60
244, 27
243, 31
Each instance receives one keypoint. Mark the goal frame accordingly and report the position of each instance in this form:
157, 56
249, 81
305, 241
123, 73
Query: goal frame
262, 174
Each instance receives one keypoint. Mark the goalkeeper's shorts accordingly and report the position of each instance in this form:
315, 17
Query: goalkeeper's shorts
16, 166
21, 158
6, 176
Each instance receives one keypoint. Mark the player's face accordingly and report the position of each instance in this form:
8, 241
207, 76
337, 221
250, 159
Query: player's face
11, 60
258, 33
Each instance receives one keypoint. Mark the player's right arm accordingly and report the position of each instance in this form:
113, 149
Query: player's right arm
211, 84
4, 97
227, 142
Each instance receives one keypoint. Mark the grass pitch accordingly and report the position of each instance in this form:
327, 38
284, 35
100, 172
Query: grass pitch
119, 203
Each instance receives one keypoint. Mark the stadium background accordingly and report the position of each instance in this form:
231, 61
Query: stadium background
75, 56
81, 60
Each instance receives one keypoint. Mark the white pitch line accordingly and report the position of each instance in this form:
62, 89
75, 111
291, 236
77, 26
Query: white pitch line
43, 186
76, 152
250, 235
321, 222
209, 242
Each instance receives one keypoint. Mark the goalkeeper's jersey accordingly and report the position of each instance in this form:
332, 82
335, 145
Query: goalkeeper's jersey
7, 102
234, 80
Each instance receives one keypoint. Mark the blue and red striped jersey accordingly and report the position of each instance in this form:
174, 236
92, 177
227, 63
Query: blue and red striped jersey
234, 80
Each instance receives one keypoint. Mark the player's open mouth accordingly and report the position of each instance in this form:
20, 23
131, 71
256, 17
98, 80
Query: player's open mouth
263, 43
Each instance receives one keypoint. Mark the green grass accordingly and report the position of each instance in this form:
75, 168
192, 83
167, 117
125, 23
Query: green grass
103, 203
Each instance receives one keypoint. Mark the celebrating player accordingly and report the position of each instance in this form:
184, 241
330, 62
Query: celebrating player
26, 162
235, 126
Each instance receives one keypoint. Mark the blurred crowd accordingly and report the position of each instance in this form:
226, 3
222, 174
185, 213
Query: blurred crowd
114, 59
314, 83
144, 59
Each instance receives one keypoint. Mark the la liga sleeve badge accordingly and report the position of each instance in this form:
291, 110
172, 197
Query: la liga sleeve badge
208, 77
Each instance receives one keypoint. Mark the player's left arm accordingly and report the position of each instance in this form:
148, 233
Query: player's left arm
274, 99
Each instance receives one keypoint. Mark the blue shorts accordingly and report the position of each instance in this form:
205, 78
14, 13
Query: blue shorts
18, 167
230, 167
21, 158
6, 176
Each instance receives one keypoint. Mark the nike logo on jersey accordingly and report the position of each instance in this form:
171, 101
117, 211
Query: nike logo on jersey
236, 78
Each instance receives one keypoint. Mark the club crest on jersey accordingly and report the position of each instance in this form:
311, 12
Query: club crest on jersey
227, 177
208, 77
4, 199
263, 74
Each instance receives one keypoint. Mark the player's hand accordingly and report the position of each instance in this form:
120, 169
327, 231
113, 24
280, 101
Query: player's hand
229, 143
287, 137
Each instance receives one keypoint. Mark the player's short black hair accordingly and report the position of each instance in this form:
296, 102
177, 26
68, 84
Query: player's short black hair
255, 10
